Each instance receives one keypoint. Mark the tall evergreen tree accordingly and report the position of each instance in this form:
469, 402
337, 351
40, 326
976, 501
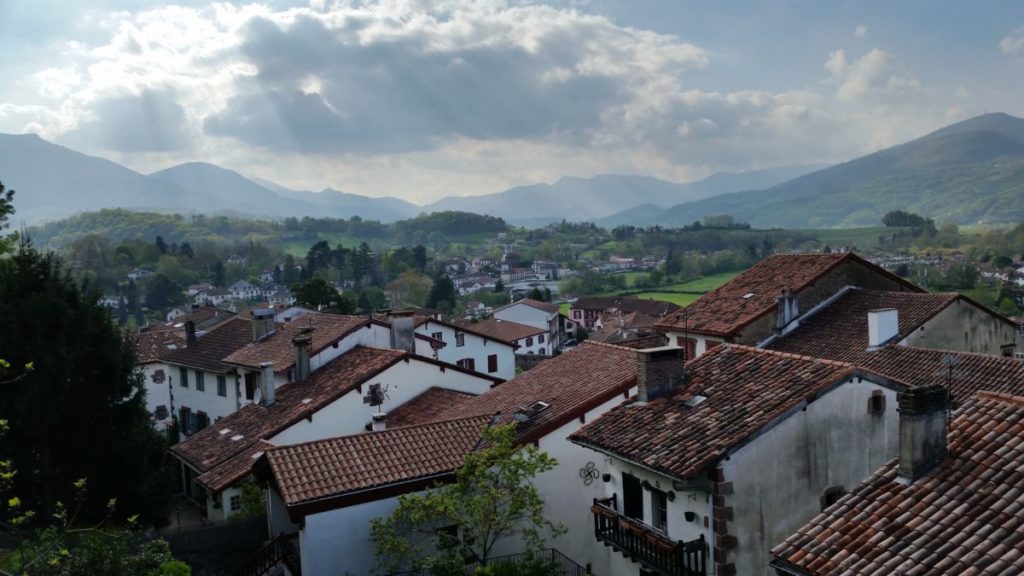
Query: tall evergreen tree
442, 294
80, 412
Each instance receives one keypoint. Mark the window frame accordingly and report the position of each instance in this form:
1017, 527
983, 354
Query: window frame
183, 377
659, 510
492, 363
200, 381
222, 386
460, 339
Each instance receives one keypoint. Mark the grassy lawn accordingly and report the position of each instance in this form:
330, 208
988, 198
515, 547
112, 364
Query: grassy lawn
680, 299
301, 247
705, 284
859, 237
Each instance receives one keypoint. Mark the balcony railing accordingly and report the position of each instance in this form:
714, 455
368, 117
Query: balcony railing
642, 543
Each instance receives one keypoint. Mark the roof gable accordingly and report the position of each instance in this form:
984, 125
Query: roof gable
325, 330
211, 348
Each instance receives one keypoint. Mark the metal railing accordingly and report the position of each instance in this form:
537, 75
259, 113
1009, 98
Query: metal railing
642, 543
280, 550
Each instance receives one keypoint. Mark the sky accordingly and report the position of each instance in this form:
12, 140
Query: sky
426, 99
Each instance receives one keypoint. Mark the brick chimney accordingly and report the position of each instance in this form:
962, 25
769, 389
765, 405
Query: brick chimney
190, 332
883, 325
302, 345
403, 325
659, 371
923, 430
267, 382
262, 323
787, 309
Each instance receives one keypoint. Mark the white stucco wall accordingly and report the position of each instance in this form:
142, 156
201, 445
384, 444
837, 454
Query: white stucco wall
779, 478
338, 542
476, 347
157, 394
703, 342
207, 400
536, 347
404, 381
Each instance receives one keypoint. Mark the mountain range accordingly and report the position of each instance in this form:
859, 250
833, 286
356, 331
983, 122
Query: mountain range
968, 172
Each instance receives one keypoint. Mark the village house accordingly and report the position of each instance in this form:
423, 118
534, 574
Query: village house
587, 310
139, 274
243, 290
468, 347
237, 260
318, 404
322, 489
746, 310
945, 505
534, 313
213, 297
151, 348
109, 301
194, 289
525, 339
708, 466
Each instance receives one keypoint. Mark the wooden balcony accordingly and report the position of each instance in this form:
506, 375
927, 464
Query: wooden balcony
645, 545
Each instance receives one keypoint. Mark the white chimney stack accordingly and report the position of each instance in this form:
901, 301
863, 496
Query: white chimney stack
380, 421
267, 382
883, 325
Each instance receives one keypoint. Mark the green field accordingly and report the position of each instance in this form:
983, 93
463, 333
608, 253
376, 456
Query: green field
673, 297
301, 247
705, 284
682, 294
852, 237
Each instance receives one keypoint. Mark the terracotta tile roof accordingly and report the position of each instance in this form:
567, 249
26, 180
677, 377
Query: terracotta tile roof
571, 384
972, 373
467, 327
154, 345
212, 447
538, 304
752, 294
745, 388
840, 330
205, 317
335, 466
427, 406
505, 330
626, 305
964, 517
211, 348
325, 329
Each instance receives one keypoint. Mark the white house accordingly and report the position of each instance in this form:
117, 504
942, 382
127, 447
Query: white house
470, 348
243, 290
139, 273
355, 482
328, 402
213, 296
534, 313
526, 339
151, 348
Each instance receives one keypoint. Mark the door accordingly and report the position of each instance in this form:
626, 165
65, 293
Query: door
632, 497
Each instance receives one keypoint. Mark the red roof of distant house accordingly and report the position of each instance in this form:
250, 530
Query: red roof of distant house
211, 348
538, 304
963, 517
155, 345
571, 383
324, 329
752, 295
745, 390
504, 330
427, 406
336, 466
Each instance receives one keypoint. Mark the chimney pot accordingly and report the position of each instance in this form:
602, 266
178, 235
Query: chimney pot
403, 325
923, 429
883, 325
190, 332
659, 371
302, 346
263, 324
380, 421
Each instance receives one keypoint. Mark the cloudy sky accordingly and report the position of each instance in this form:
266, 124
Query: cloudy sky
423, 99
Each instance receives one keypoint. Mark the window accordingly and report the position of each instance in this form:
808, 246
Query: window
492, 363
540, 339
437, 335
183, 375
250, 385
235, 503
185, 420
460, 339
158, 377
222, 385
632, 497
876, 403
160, 413
831, 496
467, 363
529, 340
689, 346
202, 420
200, 381
577, 314
659, 509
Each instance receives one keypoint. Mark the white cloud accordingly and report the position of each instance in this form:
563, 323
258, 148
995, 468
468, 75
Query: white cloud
860, 31
1013, 42
876, 75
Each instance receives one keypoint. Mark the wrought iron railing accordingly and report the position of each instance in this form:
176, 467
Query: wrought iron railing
642, 543
279, 551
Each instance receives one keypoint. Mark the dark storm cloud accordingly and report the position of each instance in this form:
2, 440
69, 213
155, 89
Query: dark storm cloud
153, 121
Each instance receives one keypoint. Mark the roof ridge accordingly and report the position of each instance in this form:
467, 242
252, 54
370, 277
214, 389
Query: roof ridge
609, 345
402, 429
744, 347
956, 352
1004, 397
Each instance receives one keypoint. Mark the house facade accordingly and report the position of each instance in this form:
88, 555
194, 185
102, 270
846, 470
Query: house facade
534, 313
470, 348
526, 339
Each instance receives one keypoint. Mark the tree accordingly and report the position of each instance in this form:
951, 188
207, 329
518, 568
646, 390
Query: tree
163, 293
442, 294
409, 289
317, 258
6, 209
419, 257
81, 411
493, 498
161, 245
186, 250
319, 295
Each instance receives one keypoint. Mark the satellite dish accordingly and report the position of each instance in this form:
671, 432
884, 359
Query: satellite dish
257, 396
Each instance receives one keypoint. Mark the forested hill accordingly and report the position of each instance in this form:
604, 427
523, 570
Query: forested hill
117, 225
969, 172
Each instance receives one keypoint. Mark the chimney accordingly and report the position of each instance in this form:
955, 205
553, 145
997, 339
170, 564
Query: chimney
787, 309
659, 371
302, 345
923, 427
883, 325
262, 323
190, 332
402, 327
267, 382
380, 421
